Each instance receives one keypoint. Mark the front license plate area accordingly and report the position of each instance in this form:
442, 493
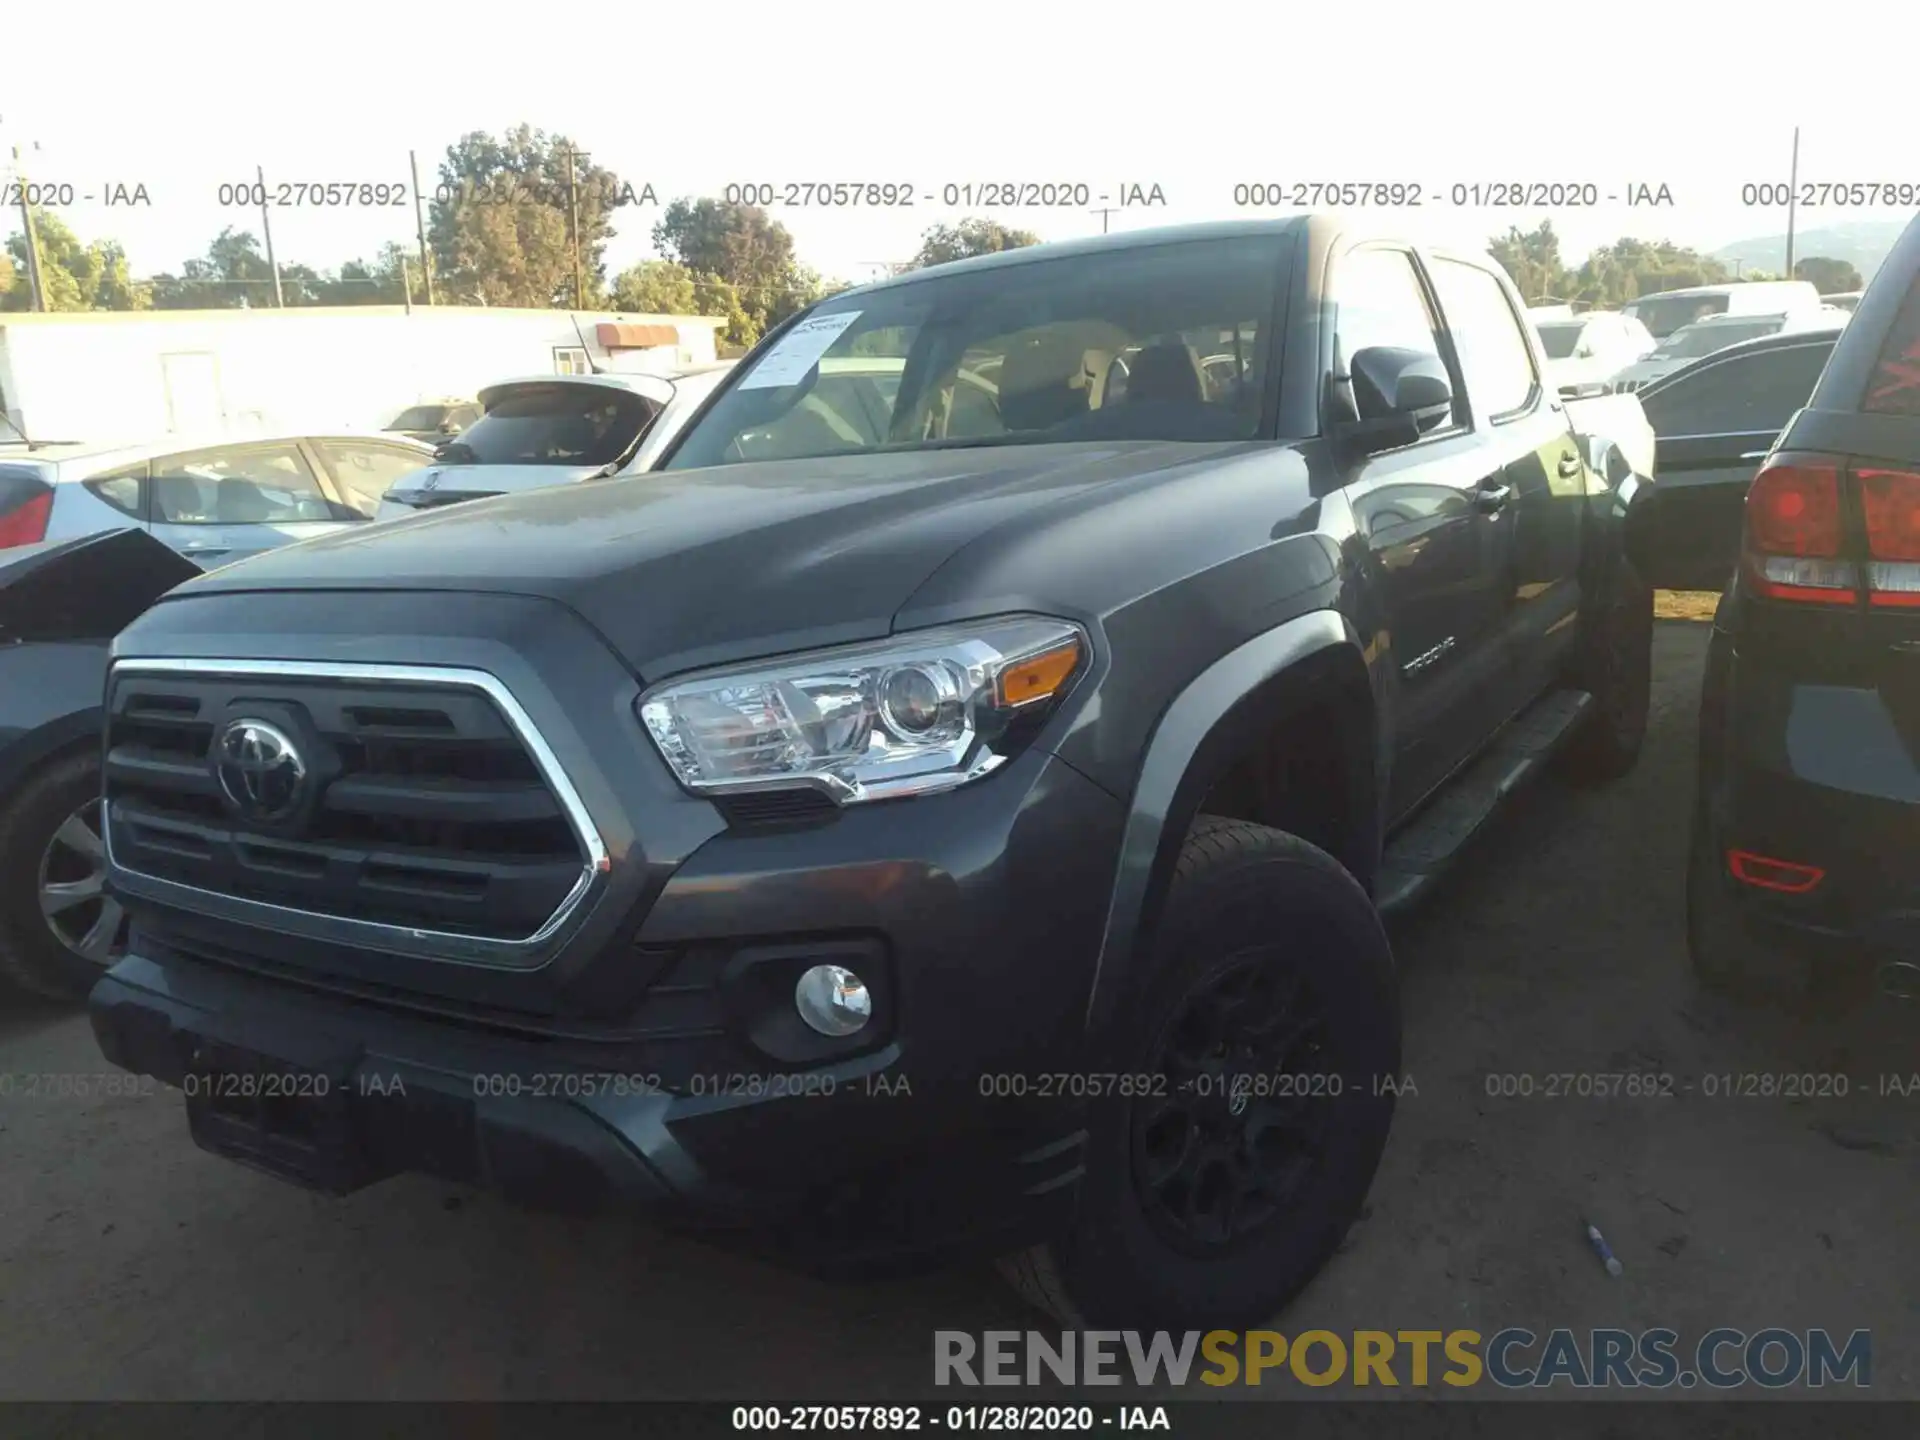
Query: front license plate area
295, 1122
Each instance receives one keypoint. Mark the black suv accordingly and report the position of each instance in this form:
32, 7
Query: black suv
958, 826
1804, 879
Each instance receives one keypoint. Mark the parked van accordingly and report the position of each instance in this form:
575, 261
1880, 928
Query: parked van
1665, 312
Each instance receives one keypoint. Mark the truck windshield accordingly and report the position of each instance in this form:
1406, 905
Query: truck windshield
1162, 342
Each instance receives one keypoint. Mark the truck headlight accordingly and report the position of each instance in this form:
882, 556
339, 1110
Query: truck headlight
909, 715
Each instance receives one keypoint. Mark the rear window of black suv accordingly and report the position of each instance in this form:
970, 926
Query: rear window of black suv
555, 424
1895, 386
1155, 342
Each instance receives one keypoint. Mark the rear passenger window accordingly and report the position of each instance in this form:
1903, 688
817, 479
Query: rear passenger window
1895, 387
1486, 332
122, 489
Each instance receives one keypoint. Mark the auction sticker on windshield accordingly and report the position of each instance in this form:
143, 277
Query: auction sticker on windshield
798, 352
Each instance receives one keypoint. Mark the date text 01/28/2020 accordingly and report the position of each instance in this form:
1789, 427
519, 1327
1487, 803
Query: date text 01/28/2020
1236, 1086
809, 1419
1477, 194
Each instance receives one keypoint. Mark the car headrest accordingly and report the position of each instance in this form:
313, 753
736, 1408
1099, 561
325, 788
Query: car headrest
240, 502
1169, 374
175, 496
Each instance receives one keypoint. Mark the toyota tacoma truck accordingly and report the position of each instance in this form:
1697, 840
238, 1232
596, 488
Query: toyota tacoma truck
952, 819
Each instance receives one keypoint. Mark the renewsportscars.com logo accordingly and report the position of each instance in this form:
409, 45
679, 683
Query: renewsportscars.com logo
1721, 1359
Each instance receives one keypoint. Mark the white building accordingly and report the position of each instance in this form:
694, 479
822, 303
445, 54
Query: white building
113, 375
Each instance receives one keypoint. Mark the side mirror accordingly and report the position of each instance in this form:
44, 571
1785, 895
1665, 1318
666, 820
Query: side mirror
1398, 395
447, 427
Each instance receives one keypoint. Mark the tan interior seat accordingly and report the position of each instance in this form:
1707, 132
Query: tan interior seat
1043, 381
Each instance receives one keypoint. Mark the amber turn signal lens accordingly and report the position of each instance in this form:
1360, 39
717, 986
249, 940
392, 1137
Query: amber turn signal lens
1038, 676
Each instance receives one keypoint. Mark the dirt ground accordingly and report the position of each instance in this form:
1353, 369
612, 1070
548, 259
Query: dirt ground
132, 1265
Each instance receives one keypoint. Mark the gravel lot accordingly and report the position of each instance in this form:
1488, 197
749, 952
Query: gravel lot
134, 1266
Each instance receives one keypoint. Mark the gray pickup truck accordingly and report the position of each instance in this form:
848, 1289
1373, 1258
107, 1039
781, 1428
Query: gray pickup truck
961, 825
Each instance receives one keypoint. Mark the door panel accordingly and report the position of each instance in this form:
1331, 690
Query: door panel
1435, 555
1536, 554
1434, 544
1714, 424
1686, 533
1549, 480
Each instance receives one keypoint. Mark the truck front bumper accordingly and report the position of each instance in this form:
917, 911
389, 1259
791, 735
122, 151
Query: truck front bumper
975, 916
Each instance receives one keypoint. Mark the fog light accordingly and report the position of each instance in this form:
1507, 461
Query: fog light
833, 1000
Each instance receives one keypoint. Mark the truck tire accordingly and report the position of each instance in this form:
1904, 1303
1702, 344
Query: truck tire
1615, 666
1731, 961
58, 933
1209, 1202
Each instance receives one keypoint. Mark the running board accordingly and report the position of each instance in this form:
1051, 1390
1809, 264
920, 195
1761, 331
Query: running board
1419, 853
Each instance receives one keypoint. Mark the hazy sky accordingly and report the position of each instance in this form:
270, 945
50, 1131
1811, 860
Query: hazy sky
1194, 98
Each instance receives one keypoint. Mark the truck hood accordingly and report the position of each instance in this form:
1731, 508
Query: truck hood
683, 568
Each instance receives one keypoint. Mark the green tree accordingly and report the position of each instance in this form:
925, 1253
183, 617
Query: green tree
387, 279
1617, 273
232, 273
746, 253
657, 287
500, 226
1531, 259
1829, 277
74, 276
975, 235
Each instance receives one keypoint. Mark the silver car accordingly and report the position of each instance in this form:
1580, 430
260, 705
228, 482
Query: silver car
213, 502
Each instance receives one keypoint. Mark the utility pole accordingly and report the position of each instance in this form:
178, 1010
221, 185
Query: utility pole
406, 284
266, 228
573, 225
420, 226
1793, 195
1103, 214
33, 236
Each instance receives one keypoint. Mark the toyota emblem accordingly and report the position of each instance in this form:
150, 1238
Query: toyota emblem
259, 770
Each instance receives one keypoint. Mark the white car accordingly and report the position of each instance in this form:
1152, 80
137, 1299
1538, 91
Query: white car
1589, 350
690, 391
539, 431
215, 499
1703, 337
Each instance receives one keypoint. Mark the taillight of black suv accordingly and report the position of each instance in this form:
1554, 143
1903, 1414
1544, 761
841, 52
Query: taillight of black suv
1826, 530
26, 505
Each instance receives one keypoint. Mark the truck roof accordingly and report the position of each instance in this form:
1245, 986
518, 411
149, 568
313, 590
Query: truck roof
1097, 244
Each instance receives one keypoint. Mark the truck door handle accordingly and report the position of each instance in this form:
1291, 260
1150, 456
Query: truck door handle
1756, 455
1569, 466
1491, 496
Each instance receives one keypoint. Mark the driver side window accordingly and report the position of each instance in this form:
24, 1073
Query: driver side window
1379, 300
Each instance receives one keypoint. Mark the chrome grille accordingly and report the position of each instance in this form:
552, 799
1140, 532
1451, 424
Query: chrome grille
433, 818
